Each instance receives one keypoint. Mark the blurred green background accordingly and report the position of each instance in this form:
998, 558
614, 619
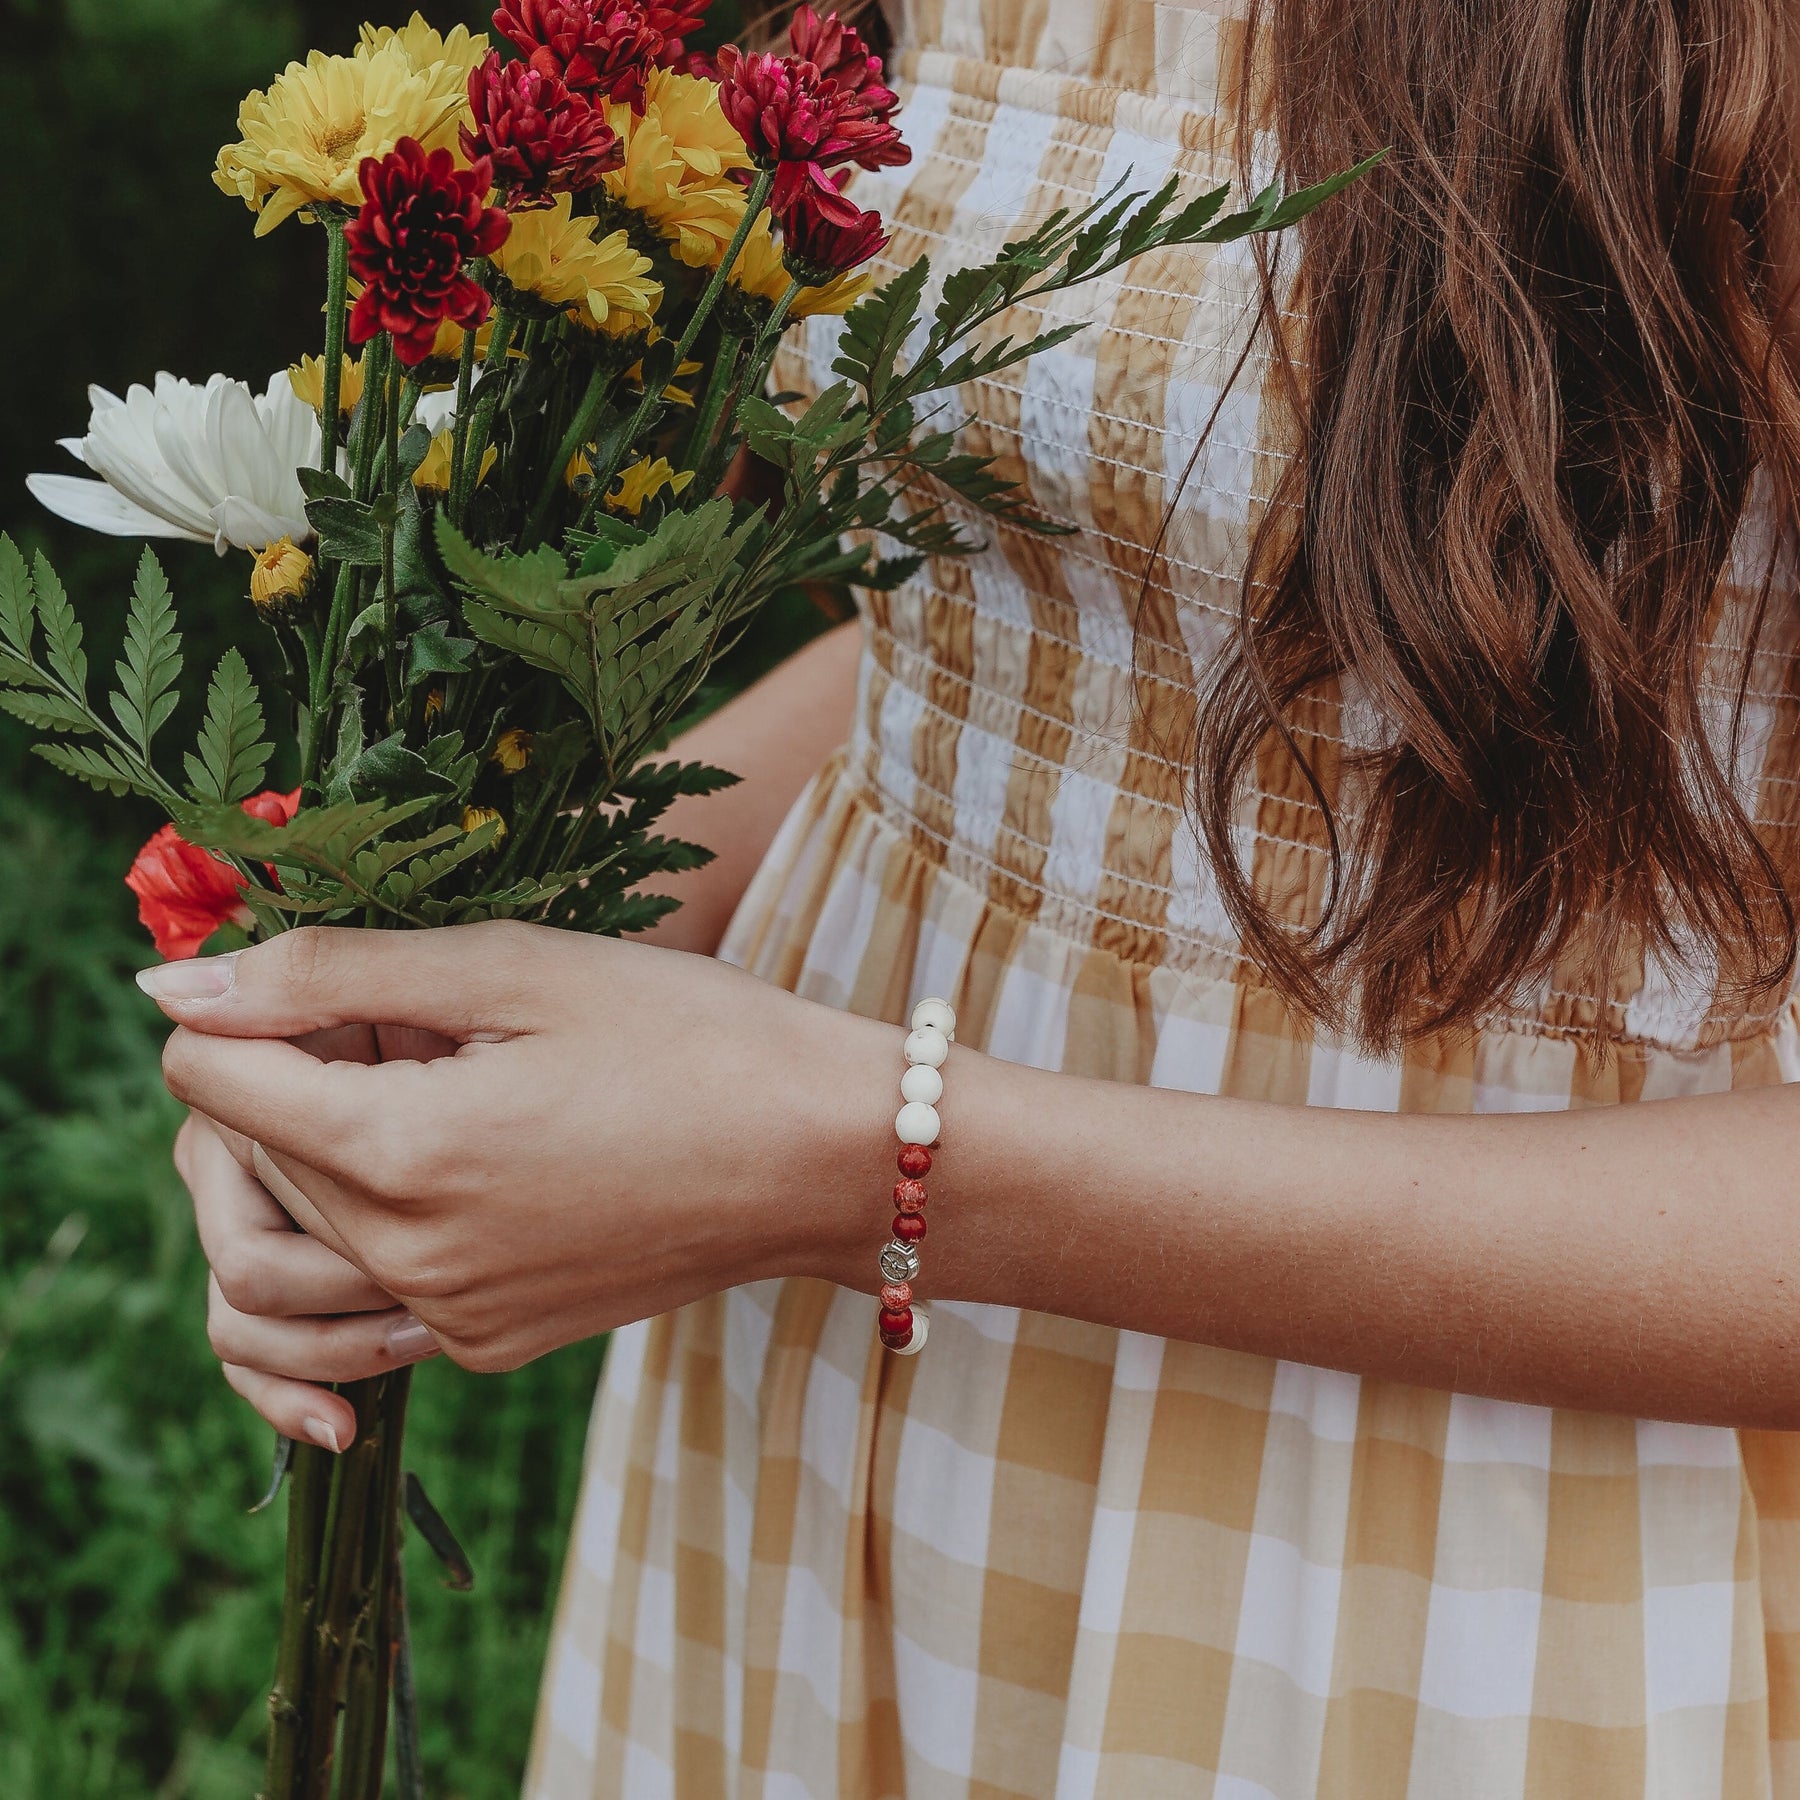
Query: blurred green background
138, 1600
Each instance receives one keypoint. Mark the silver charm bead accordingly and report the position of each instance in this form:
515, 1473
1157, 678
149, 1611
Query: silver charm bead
899, 1261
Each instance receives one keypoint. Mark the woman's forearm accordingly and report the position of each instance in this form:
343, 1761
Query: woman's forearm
773, 736
1635, 1259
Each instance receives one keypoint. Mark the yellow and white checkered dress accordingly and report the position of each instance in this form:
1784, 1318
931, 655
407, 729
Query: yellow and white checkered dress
1051, 1560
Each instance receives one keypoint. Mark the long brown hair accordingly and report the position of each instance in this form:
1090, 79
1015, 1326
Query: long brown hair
1541, 376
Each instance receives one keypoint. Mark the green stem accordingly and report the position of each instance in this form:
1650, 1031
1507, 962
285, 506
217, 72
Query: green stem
581, 429
337, 288
370, 1676
334, 1622
652, 398
753, 378
408, 1769
372, 420
390, 608
712, 404
498, 346
465, 379
309, 1480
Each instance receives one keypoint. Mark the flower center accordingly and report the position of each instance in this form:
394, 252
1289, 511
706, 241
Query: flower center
343, 137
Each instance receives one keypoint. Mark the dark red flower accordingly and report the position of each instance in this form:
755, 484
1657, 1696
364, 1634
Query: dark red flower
185, 894
540, 138
420, 219
789, 116
783, 108
675, 21
818, 248
806, 184
839, 53
870, 141
595, 46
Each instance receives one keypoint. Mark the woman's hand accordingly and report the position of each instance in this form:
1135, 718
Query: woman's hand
617, 1129
284, 1311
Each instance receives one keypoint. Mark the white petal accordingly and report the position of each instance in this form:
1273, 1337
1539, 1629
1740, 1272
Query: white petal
249, 526
436, 410
238, 443
184, 438
121, 446
101, 508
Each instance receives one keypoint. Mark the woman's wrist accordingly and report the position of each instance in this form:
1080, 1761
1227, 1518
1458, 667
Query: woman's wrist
981, 1164
841, 1198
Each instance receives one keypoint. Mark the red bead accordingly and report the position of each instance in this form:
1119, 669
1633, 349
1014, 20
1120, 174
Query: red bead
909, 1196
896, 1321
890, 1342
915, 1160
896, 1294
908, 1227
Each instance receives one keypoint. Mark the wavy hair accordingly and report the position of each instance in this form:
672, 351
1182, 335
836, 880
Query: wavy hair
1543, 374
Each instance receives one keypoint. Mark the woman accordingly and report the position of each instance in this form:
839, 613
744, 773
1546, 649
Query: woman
1288, 1419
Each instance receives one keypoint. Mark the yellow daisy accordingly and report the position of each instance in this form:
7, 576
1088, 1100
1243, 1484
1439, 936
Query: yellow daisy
307, 378
678, 158
474, 817
554, 257
425, 45
432, 476
759, 271
642, 481
305, 136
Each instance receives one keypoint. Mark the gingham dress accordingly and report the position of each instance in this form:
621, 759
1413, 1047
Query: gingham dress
1050, 1559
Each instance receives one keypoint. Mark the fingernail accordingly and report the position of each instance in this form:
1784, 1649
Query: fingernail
323, 1433
409, 1341
198, 978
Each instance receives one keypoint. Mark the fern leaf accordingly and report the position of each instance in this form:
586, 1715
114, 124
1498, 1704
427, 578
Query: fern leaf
62, 630
102, 769
15, 671
18, 604
232, 752
151, 664
47, 712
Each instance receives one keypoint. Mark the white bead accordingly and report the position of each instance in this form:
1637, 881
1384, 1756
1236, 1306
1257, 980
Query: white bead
920, 1331
935, 1015
916, 1123
923, 1083
928, 1047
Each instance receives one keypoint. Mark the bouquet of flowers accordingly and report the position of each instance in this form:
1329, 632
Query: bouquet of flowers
495, 551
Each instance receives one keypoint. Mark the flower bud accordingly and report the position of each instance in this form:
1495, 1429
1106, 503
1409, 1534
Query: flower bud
512, 750
281, 580
474, 817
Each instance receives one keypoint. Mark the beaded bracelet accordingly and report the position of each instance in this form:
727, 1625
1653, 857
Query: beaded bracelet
904, 1327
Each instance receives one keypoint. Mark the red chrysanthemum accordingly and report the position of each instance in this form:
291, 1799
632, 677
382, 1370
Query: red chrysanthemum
839, 53
803, 124
799, 184
818, 248
540, 138
595, 46
421, 218
184, 894
674, 21
783, 108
